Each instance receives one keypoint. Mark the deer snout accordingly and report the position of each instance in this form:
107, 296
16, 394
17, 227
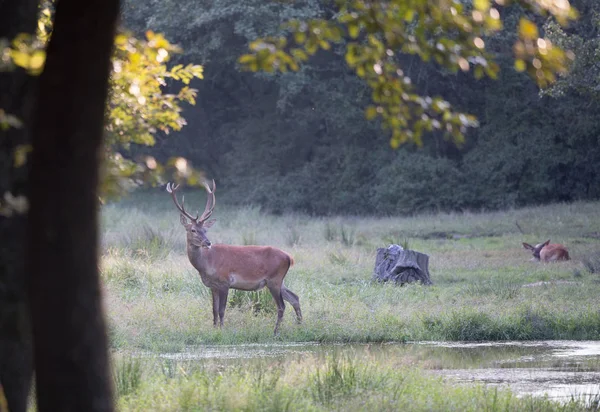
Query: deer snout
207, 244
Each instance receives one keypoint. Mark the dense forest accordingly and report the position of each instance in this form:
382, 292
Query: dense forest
300, 141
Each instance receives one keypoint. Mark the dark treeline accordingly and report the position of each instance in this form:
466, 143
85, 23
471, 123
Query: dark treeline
299, 141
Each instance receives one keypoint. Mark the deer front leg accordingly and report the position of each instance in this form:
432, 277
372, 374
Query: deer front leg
222, 303
215, 306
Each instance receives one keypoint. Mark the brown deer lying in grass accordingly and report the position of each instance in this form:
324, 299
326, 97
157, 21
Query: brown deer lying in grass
224, 267
547, 252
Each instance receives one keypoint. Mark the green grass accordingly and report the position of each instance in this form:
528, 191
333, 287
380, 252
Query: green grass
156, 301
127, 375
485, 288
312, 383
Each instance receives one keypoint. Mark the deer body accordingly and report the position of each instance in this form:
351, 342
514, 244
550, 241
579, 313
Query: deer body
239, 267
547, 252
224, 267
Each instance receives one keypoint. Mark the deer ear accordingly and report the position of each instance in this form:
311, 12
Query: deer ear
527, 246
546, 242
208, 224
183, 220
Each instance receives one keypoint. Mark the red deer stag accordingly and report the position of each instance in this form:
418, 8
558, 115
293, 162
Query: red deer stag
223, 267
547, 252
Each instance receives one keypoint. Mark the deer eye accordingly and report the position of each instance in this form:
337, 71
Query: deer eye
193, 230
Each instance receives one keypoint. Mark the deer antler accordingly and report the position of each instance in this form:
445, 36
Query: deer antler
210, 202
171, 188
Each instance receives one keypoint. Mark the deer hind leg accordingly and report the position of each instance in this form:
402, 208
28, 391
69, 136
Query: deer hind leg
215, 306
222, 303
277, 295
294, 300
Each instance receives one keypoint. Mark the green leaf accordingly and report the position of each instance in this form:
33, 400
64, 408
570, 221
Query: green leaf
353, 30
299, 37
371, 112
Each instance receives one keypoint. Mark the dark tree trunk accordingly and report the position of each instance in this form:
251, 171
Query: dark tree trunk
70, 343
16, 98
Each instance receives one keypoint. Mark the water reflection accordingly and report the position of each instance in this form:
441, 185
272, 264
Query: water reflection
559, 369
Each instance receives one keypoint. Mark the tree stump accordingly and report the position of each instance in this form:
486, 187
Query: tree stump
401, 266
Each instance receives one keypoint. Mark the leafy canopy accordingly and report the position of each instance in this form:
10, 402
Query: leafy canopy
584, 74
450, 33
138, 109
138, 106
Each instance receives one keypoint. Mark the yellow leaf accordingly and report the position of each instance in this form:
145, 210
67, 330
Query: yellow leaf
20, 154
135, 58
350, 59
246, 58
37, 60
19, 58
300, 37
481, 5
527, 29
520, 65
120, 39
299, 54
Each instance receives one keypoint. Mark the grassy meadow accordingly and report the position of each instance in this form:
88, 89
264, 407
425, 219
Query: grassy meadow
485, 288
156, 301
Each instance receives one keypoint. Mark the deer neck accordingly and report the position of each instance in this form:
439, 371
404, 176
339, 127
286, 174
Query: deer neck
201, 260
196, 255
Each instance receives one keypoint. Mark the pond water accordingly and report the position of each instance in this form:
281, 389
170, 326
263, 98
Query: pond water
562, 370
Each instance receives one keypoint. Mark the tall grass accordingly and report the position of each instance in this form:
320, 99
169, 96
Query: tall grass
330, 231
591, 262
258, 302
347, 235
317, 384
127, 375
294, 236
249, 238
337, 379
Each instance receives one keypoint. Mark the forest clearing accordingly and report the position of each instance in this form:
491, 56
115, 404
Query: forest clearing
486, 288
338, 132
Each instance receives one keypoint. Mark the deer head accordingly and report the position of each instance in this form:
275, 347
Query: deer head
535, 250
547, 252
197, 226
